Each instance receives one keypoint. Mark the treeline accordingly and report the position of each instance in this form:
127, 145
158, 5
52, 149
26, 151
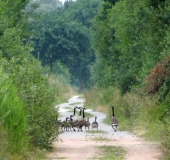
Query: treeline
28, 92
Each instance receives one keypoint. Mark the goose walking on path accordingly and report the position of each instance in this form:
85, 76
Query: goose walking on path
64, 125
74, 116
87, 125
95, 124
80, 117
114, 120
80, 123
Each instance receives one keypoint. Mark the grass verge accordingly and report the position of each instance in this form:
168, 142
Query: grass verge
101, 139
110, 153
95, 131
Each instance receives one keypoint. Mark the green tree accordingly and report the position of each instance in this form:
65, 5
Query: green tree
105, 71
30, 90
64, 36
63, 40
138, 41
140, 38
13, 28
42, 6
82, 11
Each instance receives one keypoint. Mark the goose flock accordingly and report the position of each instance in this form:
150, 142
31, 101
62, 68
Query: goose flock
74, 121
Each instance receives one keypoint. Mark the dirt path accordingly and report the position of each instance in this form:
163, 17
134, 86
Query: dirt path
82, 146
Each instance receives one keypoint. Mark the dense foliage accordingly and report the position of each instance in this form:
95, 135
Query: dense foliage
129, 42
37, 96
63, 36
27, 111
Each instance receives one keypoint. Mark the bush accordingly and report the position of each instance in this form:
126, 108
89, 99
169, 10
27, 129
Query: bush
38, 96
158, 75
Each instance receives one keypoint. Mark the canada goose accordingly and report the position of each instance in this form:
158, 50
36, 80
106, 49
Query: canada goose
80, 117
67, 125
87, 125
80, 123
72, 122
114, 120
74, 116
64, 124
74, 112
95, 124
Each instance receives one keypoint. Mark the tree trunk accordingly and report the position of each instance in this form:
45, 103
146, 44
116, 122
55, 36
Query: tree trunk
80, 86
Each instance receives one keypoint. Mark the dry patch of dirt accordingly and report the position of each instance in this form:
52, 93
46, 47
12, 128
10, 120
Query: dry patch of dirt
85, 147
73, 149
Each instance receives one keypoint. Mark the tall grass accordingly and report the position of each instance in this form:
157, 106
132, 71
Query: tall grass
12, 117
98, 98
65, 90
